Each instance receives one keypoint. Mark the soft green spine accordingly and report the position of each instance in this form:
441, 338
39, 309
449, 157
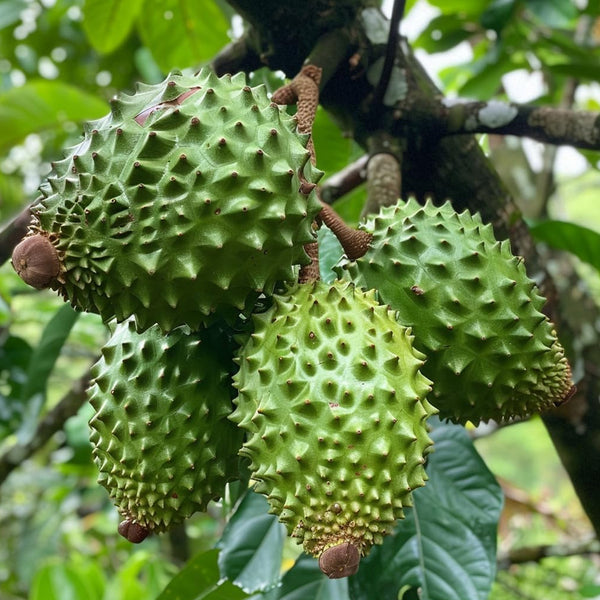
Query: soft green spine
195, 210
474, 312
161, 436
334, 406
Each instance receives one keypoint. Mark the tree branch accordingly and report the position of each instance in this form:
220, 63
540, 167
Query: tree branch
559, 126
236, 56
343, 182
12, 233
537, 553
52, 422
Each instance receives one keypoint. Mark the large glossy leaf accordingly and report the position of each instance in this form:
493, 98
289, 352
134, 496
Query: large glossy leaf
200, 579
182, 33
579, 240
446, 546
252, 545
41, 105
107, 23
43, 358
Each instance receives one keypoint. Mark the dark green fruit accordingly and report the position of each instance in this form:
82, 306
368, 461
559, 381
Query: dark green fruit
474, 312
192, 196
161, 435
333, 403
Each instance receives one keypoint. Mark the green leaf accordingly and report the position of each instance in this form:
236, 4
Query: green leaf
15, 357
556, 13
330, 252
498, 14
252, 545
332, 148
182, 33
580, 70
446, 545
580, 241
443, 33
10, 12
57, 580
306, 580
41, 105
107, 23
200, 579
41, 364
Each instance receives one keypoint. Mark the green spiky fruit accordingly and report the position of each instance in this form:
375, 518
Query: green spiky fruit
334, 406
191, 196
161, 435
474, 312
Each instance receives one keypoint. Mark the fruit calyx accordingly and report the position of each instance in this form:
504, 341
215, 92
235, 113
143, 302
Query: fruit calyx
340, 561
36, 261
132, 531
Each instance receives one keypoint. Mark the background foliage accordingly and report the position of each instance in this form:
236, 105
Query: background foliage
59, 64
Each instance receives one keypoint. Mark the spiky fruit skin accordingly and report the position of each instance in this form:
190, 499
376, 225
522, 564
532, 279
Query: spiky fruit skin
334, 406
474, 312
190, 197
161, 435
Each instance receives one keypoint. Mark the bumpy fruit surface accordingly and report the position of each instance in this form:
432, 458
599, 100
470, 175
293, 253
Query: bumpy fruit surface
190, 197
161, 435
334, 406
476, 315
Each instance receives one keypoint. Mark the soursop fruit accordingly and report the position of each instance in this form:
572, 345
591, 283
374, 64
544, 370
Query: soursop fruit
192, 196
161, 435
334, 406
474, 312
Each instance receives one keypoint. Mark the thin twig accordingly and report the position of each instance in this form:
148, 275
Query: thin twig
390, 53
52, 422
537, 553
343, 182
12, 233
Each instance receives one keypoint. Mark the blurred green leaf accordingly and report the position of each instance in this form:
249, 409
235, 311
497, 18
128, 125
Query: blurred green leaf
41, 364
554, 13
487, 79
200, 579
498, 14
443, 33
10, 12
107, 23
580, 241
40, 105
15, 356
57, 580
446, 545
467, 7
252, 545
182, 33
580, 70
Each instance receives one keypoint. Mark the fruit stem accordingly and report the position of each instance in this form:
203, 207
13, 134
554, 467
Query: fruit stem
309, 273
355, 242
303, 90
